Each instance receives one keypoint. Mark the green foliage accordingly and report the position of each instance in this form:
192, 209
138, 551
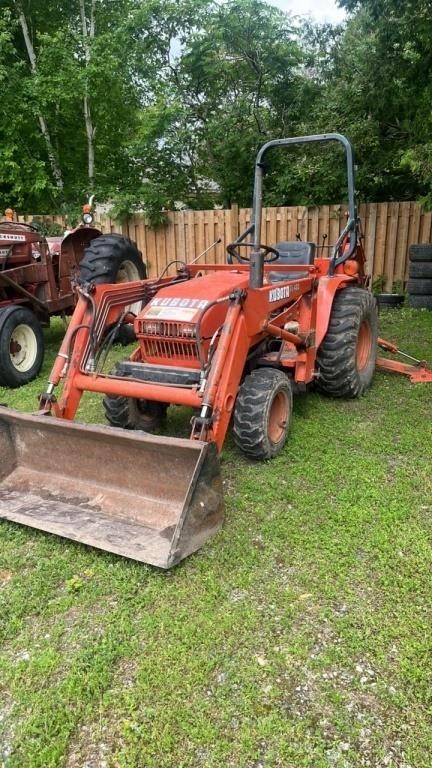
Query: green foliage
244, 84
381, 83
147, 199
182, 94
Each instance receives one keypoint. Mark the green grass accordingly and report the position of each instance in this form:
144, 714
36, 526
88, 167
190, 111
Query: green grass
300, 636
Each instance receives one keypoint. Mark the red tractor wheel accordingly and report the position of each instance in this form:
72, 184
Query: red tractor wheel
262, 414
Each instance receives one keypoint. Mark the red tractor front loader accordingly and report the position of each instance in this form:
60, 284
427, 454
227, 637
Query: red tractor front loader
233, 342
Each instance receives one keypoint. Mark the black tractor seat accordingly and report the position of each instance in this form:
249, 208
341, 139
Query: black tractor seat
292, 252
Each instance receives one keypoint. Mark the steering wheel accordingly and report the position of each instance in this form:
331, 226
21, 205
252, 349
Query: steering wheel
267, 249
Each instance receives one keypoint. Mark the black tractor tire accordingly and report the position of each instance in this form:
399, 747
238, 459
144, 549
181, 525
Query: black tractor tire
420, 302
262, 414
129, 413
125, 335
420, 286
21, 346
346, 357
389, 300
112, 259
420, 269
420, 252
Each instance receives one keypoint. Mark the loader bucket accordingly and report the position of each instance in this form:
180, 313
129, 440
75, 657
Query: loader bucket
153, 499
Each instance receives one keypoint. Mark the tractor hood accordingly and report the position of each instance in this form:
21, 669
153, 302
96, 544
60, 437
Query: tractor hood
186, 301
176, 327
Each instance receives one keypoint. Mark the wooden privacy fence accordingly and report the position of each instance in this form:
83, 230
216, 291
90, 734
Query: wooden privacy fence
388, 229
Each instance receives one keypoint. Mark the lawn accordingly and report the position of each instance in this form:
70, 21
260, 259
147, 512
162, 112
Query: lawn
300, 636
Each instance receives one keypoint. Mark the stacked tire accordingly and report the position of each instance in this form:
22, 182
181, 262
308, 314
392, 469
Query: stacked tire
419, 286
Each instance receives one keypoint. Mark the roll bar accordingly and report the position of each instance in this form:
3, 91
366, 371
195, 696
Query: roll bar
257, 261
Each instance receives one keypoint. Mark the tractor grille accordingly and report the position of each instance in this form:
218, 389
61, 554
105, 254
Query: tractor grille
164, 339
168, 348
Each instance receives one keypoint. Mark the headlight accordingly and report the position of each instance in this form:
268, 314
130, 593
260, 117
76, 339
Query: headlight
151, 328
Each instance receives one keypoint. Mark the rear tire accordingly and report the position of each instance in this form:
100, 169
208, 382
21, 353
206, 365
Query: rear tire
21, 346
262, 414
112, 259
347, 355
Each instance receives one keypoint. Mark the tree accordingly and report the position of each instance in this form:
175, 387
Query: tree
76, 93
379, 90
243, 83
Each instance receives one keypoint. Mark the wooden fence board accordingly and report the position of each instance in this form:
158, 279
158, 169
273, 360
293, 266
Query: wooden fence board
390, 245
425, 229
380, 241
369, 220
402, 242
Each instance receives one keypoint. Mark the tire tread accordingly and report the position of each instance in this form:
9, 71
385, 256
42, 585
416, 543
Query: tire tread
336, 356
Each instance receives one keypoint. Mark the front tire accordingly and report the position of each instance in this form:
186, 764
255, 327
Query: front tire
128, 413
21, 346
347, 355
262, 414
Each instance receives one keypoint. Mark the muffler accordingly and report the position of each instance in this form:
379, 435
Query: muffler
153, 499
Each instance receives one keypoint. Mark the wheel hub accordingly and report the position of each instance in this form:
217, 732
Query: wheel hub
278, 417
364, 344
23, 348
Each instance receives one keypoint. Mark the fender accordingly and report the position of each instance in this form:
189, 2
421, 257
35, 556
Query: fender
327, 288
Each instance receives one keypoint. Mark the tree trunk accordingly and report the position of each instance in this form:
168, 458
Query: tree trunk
55, 167
88, 34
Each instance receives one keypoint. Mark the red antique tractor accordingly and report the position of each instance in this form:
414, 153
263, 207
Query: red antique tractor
35, 283
233, 342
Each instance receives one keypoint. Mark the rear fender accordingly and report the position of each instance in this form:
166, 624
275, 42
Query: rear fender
72, 251
81, 236
327, 288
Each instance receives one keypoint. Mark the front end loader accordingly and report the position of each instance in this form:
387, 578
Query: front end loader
233, 342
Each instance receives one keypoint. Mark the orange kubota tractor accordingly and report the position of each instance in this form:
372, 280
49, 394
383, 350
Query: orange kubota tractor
231, 341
